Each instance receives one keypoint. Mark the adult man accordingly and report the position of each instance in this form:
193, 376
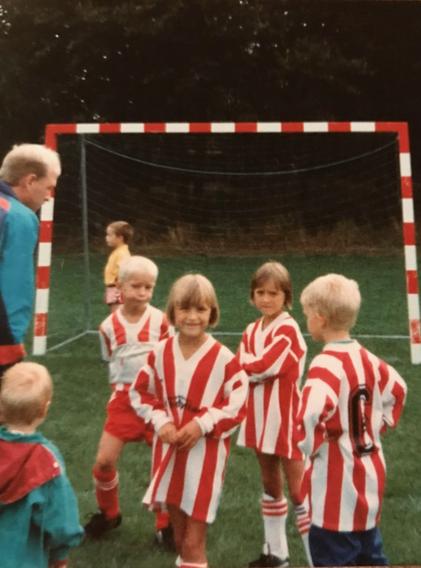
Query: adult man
28, 176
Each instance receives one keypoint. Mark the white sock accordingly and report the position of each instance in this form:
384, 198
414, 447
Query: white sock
178, 561
302, 521
187, 564
274, 513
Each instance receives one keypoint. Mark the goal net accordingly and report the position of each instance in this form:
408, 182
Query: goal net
212, 191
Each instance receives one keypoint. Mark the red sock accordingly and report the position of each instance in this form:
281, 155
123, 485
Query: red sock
162, 520
106, 490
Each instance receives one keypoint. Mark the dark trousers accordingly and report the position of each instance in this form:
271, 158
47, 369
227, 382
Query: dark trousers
354, 548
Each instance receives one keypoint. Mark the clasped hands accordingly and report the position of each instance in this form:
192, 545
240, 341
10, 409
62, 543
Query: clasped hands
184, 438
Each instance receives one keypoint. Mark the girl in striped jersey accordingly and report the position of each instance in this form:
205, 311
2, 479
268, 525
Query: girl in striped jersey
127, 336
349, 399
193, 391
272, 352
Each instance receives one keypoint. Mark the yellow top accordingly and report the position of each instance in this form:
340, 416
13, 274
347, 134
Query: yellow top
113, 264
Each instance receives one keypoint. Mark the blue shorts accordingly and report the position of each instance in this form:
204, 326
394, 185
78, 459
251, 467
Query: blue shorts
354, 548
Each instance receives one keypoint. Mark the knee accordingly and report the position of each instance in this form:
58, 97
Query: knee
104, 464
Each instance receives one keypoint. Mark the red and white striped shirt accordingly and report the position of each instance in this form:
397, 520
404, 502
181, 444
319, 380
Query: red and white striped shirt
273, 358
125, 345
210, 387
349, 398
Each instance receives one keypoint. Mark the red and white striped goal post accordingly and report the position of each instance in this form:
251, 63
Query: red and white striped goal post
52, 132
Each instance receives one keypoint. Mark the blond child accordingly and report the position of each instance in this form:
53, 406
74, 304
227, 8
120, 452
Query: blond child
127, 336
193, 391
117, 236
272, 352
349, 399
39, 517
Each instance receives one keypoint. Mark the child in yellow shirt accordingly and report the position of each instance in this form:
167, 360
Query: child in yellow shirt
117, 236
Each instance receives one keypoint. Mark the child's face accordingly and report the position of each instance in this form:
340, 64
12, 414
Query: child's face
112, 239
269, 300
193, 321
315, 323
137, 289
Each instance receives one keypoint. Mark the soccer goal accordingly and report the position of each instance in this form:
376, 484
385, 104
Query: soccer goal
222, 189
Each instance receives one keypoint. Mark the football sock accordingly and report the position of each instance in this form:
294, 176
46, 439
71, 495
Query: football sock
106, 490
162, 520
186, 564
274, 513
302, 522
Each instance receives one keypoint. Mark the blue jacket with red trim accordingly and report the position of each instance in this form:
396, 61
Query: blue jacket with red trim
39, 517
18, 239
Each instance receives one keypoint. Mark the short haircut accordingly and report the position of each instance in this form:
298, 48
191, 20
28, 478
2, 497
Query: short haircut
192, 290
276, 272
137, 265
26, 389
122, 229
334, 297
24, 159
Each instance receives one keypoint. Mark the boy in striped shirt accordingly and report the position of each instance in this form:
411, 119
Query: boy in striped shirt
127, 336
349, 399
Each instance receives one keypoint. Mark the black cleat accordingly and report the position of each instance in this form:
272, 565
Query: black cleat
269, 561
165, 538
98, 525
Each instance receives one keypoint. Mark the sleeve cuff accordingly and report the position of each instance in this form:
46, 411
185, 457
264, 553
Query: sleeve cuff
205, 422
160, 421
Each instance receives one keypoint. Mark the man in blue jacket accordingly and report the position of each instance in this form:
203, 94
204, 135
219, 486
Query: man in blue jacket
28, 176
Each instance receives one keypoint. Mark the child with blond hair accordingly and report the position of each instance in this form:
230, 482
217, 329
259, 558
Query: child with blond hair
272, 352
118, 235
39, 518
350, 398
127, 336
193, 391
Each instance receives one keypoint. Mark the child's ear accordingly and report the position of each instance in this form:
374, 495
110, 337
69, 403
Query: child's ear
45, 409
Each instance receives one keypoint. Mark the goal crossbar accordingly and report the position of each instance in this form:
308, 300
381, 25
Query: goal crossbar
400, 129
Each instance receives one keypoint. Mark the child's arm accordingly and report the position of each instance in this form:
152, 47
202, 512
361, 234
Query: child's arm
146, 396
59, 520
319, 401
393, 390
270, 362
227, 413
105, 345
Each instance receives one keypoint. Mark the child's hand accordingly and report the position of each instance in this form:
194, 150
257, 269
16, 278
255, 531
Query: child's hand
57, 564
188, 435
168, 433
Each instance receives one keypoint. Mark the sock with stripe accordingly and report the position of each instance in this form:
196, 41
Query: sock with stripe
162, 520
302, 522
274, 513
187, 564
106, 491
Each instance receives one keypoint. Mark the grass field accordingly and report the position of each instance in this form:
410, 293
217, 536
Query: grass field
81, 392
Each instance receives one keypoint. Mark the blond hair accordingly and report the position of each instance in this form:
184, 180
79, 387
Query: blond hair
334, 297
279, 275
25, 392
137, 265
122, 229
193, 290
24, 159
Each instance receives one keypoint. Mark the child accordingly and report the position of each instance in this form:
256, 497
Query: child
117, 236
39, 518
193, 391
272, 352
127, 336
350, 398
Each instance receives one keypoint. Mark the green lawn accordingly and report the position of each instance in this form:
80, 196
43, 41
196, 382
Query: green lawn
81, 392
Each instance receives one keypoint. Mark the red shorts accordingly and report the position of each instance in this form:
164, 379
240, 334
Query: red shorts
122, 422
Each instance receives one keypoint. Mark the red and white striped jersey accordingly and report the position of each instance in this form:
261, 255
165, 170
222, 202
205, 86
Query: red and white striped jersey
349, 398
209, 387
274, 359
125, 345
